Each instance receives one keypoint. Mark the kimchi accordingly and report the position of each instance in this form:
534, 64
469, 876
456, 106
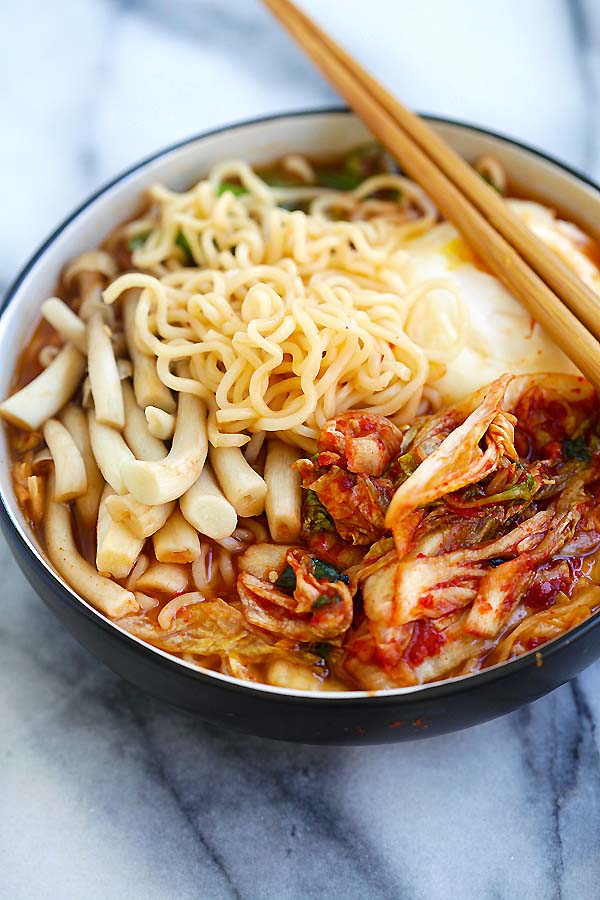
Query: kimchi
478, 527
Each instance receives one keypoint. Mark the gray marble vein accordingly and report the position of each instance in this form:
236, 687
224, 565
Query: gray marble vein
108, 794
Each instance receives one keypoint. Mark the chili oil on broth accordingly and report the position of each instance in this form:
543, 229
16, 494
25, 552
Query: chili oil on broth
287, 662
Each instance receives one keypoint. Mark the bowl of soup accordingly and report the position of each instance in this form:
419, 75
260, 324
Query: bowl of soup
280, 450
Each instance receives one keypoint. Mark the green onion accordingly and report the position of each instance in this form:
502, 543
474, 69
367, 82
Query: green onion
410, 461
183, 244
577, 449
530, 480
408, 438
338, 180
316, 518
287, 579
521, 491
138, 240
237, 189
325, 600
359, 162
325, 572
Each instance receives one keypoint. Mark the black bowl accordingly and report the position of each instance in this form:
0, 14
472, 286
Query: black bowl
356, 717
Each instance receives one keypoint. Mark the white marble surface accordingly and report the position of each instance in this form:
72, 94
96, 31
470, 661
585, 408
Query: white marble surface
106, 794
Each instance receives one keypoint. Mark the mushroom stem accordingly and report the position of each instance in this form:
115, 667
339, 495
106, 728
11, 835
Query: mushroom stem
104, 594
104, 374
164, 480
43, 397
70, 478
206, 508
149, 389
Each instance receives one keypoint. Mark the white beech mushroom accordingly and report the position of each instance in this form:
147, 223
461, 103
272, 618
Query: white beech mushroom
164, 578
206, 508
103, 373
90, 271
104, 594
160, 423
70, 477
137, 433
110, 452
141, 519
117, 549
163, 480
177, 541
243, 487
43, 397
284, 492
47, 355
66, 322
149, 389
75, 421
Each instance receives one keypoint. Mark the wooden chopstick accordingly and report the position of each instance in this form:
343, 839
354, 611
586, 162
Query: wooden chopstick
580, 298
551, 310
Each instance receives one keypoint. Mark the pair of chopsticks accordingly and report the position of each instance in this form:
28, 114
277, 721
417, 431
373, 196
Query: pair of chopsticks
558, 299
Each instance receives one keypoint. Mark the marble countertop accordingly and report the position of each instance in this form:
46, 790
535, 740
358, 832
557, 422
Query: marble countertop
107, 794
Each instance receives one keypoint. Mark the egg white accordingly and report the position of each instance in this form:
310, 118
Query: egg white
499, 335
